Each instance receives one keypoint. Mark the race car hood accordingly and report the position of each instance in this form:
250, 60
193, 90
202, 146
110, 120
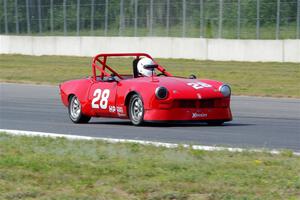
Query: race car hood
182, 88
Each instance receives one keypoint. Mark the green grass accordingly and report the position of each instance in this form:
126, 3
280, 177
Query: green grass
45, 168
246, 78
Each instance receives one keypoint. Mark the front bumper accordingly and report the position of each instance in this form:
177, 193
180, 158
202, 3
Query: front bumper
188, 114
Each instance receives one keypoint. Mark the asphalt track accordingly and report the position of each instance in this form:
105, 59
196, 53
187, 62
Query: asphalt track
272, 123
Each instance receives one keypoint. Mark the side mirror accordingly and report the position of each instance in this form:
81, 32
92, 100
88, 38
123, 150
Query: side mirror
192, 76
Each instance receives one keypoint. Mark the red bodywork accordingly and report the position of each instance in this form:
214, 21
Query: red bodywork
185, 102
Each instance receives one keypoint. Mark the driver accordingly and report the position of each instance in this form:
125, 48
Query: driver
143, 71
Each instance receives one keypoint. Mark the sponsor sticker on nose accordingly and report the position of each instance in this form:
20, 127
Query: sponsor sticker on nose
196, 115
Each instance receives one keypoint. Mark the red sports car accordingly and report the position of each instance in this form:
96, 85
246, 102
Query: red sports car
149, 94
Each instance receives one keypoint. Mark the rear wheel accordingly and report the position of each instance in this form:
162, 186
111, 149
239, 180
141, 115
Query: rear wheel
75, 113
136, 110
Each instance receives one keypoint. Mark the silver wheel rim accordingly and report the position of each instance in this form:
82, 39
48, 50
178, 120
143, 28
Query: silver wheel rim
75, 108
137, 110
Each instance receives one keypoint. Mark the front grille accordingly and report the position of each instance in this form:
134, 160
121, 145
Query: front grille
202, 103
207, 103
187, 104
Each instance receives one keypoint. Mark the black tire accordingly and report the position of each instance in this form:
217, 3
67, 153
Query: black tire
215, 123
136, 110
75, 113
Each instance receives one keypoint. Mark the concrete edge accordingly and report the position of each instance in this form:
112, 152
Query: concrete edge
249, 50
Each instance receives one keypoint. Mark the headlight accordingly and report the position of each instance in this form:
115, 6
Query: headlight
225, 90
161, 93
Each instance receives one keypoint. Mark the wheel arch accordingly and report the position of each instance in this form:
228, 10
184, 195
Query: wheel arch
128, 97
70, 96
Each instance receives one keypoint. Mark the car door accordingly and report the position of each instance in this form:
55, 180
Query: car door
102, 98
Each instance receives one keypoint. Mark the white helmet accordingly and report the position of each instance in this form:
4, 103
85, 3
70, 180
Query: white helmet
142, 63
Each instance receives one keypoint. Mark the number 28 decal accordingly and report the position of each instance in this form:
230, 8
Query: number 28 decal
199, 85
100, 101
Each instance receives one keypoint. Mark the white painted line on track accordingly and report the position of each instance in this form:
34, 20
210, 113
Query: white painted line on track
143, 142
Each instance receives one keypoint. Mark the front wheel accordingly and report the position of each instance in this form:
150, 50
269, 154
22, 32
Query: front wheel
75, 113
136, 110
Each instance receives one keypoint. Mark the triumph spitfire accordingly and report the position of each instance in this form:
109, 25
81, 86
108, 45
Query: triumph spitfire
149, 94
